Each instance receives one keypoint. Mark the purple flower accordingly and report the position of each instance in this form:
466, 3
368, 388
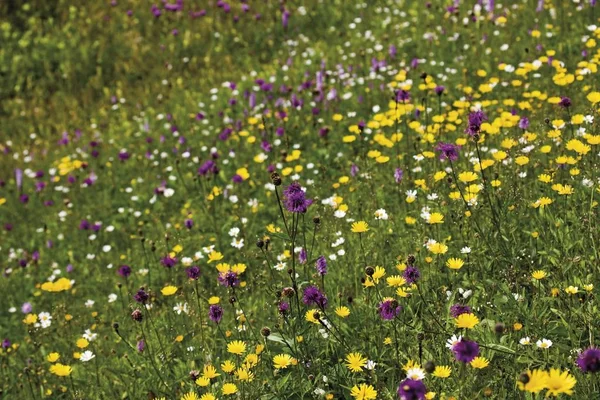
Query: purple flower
141, 345
589, 360
313, 296
229, 279
283, 307
476, 118
465, 350
168, 261
19, 178
295, 199
321, 266
524, 123
411, 274
302, 256
402, 96
439, 90
141, 296
124, 271
193, 272
565, 102
398, 174
411, 389
389, 309
26, 308
215, 313
189, 223
6, 343
448, 151
458, 309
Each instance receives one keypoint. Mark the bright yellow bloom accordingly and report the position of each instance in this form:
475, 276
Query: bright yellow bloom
82, 343
435, 218
168, 290
342, 311
229, 388
208, 396
202, 381
236, 347
281, 361
438, 248
190, 396
58, 286
455, 263
355, 362
467, 176
535, 381
467, 320
539, 274
559, 382
363, 392
214, 256
442, 371
61, 370
228, 366
310, 317
210, 372
53, 357
360, 227
479, 362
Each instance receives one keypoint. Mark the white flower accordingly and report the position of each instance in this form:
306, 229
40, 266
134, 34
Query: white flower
86, 356
280, 266
89, 303
319, 392
112, 298
234, 232
544, 343
168, 192
381, 214
187, 261
453, 340
525, 341
237, 243
339, 214
181, 307
416, 374
465, 250
370, 365
45, 319
106, 248
89, 335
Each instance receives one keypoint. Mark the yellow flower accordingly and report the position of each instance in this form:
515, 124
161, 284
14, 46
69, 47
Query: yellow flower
442, 371
360, 227
244, 374
363, 392
190, 396
210, 372
53, 357
539, 274
517, 326
455, 263
479, 362
438, 248
30, 319
355, 362
533, 381
281, 361
229, 388
214, 256
342, 311
168, 290
572, 290
82, 343
228, 366
214, 300
236, 347
310, 317
467, 320
202, 381
594, 97
61, 370
208, 396
559, 382
467, 176
435, 218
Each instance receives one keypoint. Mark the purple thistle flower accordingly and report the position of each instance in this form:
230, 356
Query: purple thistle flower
295, 199
448, 151
6, 343
141, 296
19, 178
229, 279
141, 345
398, 174
168, 261
465, 350
565, 102
439, 90
321, 266
458, 309
302, 256
589, 360
313, 296
354, 170
283, 307
189, 223
411, 389
411, 274
389, 309
215, 313
402, 96
524, 123
193, 272
124, 271
476, 118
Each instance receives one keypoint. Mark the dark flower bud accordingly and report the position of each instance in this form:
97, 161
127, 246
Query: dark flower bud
276, 179
232, 300
394, 304
194, 374
288, 292
547, 121
429, 367
316, 315
317, 220
350, 299
136, 315
420, 336
411, 259
116, 326
499, 328
278, 294
290, 271
260, 244
524, 378
369, 271
311, 378
265, 331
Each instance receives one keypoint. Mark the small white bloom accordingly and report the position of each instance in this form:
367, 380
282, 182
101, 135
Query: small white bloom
181, 308
370, 365
89, 303
525, 341
416, 374
544, 343
453, 340
45, 319
112, 298
86, 356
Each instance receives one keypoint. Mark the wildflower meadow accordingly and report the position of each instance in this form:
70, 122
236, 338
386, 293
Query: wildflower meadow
309, 199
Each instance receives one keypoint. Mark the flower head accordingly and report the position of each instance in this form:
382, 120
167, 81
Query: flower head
411, 389
465, 350
589, 360
360, 227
